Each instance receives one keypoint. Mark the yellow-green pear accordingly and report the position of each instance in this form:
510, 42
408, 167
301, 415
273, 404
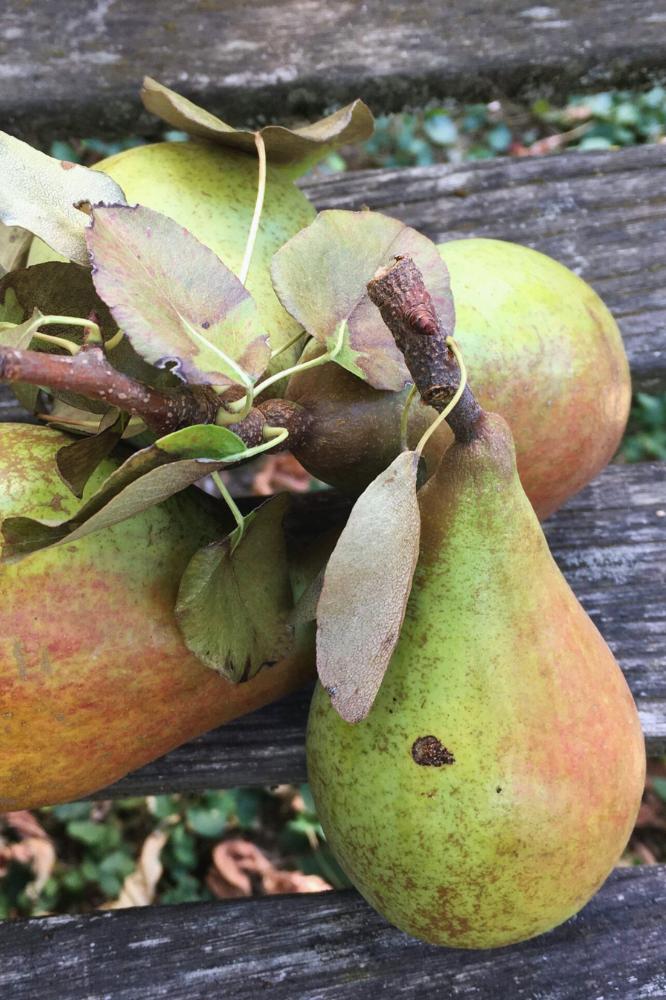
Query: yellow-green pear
95, 678
496, 779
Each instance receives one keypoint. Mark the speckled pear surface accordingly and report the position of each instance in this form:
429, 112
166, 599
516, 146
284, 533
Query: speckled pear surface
211, 191
95, 679
496, 780
544, 352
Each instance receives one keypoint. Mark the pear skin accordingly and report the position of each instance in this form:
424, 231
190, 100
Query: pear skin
95, 679
212, 191
496, 779
544, 352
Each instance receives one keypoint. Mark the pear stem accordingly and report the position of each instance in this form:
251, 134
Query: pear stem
400, 294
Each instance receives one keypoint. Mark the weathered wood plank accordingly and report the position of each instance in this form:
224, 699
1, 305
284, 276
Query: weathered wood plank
75, 67
611, 544
602, 214
332, 946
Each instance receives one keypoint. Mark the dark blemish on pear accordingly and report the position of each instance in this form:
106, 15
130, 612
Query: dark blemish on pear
498, 789
205, 325
429, 752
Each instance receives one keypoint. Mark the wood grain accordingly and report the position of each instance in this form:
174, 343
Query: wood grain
332, 946
75, 68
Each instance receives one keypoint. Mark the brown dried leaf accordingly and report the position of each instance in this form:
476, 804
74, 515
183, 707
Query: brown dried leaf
366, 586
239, 866
281, 472
300, 146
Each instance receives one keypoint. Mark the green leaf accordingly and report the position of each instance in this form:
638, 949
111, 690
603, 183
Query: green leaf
39, 193
148, 477
87, 832
76, 462
300, 147
180, 306
235, 598
366, 585
211, 821
320, 276
659, 785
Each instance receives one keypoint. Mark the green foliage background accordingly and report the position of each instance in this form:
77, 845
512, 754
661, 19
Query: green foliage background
98, 843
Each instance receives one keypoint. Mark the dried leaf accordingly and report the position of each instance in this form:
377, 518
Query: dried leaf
176, 301
77, 461
39, 193
148, 477
35, 849
320, 276
14, 246
281, 472
239, 866
301, 147
366, 586
140, 885
235, 598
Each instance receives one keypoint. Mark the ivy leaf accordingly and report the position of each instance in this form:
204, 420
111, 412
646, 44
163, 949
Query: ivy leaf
235, 597
366, 586
320, 276
298, 148
39, 193
76, 462
174, 298
14, 246
148, 477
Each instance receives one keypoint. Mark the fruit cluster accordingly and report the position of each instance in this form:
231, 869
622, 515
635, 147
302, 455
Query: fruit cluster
466, 707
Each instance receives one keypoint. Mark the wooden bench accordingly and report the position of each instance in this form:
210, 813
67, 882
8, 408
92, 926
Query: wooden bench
602, 214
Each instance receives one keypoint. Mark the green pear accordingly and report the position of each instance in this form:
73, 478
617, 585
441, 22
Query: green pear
545, 352
211, 190
496, 779
95, 679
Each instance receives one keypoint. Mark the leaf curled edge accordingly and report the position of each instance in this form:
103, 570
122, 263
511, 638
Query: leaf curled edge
366, 587
298, 148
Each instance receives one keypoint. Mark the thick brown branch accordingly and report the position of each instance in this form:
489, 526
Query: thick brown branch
163, 410
407, 308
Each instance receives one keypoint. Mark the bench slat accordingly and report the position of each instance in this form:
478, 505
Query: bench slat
610, 541
278, 58
332, 946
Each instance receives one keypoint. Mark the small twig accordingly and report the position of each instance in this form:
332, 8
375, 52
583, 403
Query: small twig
89, 374
400, 294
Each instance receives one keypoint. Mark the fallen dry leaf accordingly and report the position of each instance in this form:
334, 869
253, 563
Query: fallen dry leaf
35, 849
241, 868
281, 472
140, 885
